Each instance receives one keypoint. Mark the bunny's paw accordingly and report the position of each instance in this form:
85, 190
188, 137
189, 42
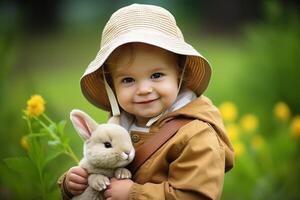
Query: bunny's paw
98, 182
122, 173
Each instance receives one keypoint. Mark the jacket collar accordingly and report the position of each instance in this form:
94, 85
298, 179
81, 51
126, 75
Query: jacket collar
183, 98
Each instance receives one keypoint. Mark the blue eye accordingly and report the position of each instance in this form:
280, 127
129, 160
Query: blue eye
127, 80
156, 75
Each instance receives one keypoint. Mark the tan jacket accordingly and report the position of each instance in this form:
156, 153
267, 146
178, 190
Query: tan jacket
192, 164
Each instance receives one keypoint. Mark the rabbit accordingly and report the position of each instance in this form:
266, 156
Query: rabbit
107, 150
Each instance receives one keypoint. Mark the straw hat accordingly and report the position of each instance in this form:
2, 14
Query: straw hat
147, 24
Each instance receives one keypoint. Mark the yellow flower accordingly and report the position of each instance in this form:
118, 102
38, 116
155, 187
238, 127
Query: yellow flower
295, 126
257, 142
233, 131
239, 149
24, 142
35, 106
228, 111
249, 122
282, 111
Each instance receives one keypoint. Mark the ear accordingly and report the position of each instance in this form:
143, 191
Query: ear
83, 123
114, 120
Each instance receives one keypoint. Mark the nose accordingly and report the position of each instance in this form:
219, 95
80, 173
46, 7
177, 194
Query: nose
129, 154
144, 87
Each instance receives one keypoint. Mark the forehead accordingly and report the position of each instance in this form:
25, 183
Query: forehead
140, 54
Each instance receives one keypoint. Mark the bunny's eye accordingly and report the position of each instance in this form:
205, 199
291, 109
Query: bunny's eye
107, 144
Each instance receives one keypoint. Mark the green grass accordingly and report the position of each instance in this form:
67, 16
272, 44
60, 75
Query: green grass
51, 65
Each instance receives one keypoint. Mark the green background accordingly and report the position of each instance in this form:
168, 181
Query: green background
255, 60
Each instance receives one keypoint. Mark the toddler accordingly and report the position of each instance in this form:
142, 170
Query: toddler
147, 74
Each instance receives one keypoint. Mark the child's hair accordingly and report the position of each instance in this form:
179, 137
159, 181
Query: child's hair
129, 47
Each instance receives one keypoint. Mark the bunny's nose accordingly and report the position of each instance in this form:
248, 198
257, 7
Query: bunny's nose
128, 154
125, 155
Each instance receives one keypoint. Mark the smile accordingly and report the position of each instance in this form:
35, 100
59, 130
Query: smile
146, 101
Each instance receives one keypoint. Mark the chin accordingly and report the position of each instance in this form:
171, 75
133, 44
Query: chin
152, 115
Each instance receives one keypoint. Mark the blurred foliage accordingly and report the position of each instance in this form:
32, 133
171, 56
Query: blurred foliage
273, 49
253, 70
267, 163
45, 141
266, 167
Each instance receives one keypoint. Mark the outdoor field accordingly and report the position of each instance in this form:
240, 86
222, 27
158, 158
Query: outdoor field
255, 84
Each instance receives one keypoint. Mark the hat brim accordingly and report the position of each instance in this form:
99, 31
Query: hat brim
92, 84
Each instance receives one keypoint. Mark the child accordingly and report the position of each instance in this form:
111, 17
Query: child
146, 73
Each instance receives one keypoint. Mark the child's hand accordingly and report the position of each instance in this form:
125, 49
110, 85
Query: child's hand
76, 180
118, 189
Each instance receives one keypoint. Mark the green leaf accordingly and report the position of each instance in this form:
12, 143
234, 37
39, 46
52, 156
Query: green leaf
52, 127
50, 180
65, 140
36, 152
53, 142
37, 135
61, 127
23, 185
21, 165
51, 155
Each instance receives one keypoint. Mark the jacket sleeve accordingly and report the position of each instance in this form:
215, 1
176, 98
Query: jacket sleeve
66, 195
197, 172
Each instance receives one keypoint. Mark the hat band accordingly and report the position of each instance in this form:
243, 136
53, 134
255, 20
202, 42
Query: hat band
111, 97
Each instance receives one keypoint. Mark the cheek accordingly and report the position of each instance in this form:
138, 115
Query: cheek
170, 86
170, 90
123, 96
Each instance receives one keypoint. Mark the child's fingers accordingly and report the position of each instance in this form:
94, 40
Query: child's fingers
107, 193
76, 187
78, 179
82, 172
76, 192
79, 171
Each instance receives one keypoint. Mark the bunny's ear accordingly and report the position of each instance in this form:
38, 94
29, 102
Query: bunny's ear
83, 123
114, 120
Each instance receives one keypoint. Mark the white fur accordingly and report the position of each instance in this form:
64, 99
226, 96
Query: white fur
100, 160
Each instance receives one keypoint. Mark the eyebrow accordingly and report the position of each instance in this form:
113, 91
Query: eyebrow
122, 72
119, 73
158, 68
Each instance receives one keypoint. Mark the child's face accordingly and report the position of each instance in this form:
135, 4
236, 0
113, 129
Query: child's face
145, 79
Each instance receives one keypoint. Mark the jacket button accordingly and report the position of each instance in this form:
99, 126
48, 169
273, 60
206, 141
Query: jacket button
135, 138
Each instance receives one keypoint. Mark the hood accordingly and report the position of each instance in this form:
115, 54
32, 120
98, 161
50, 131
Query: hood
203, 109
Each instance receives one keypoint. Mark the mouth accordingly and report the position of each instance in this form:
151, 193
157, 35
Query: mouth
146, 101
